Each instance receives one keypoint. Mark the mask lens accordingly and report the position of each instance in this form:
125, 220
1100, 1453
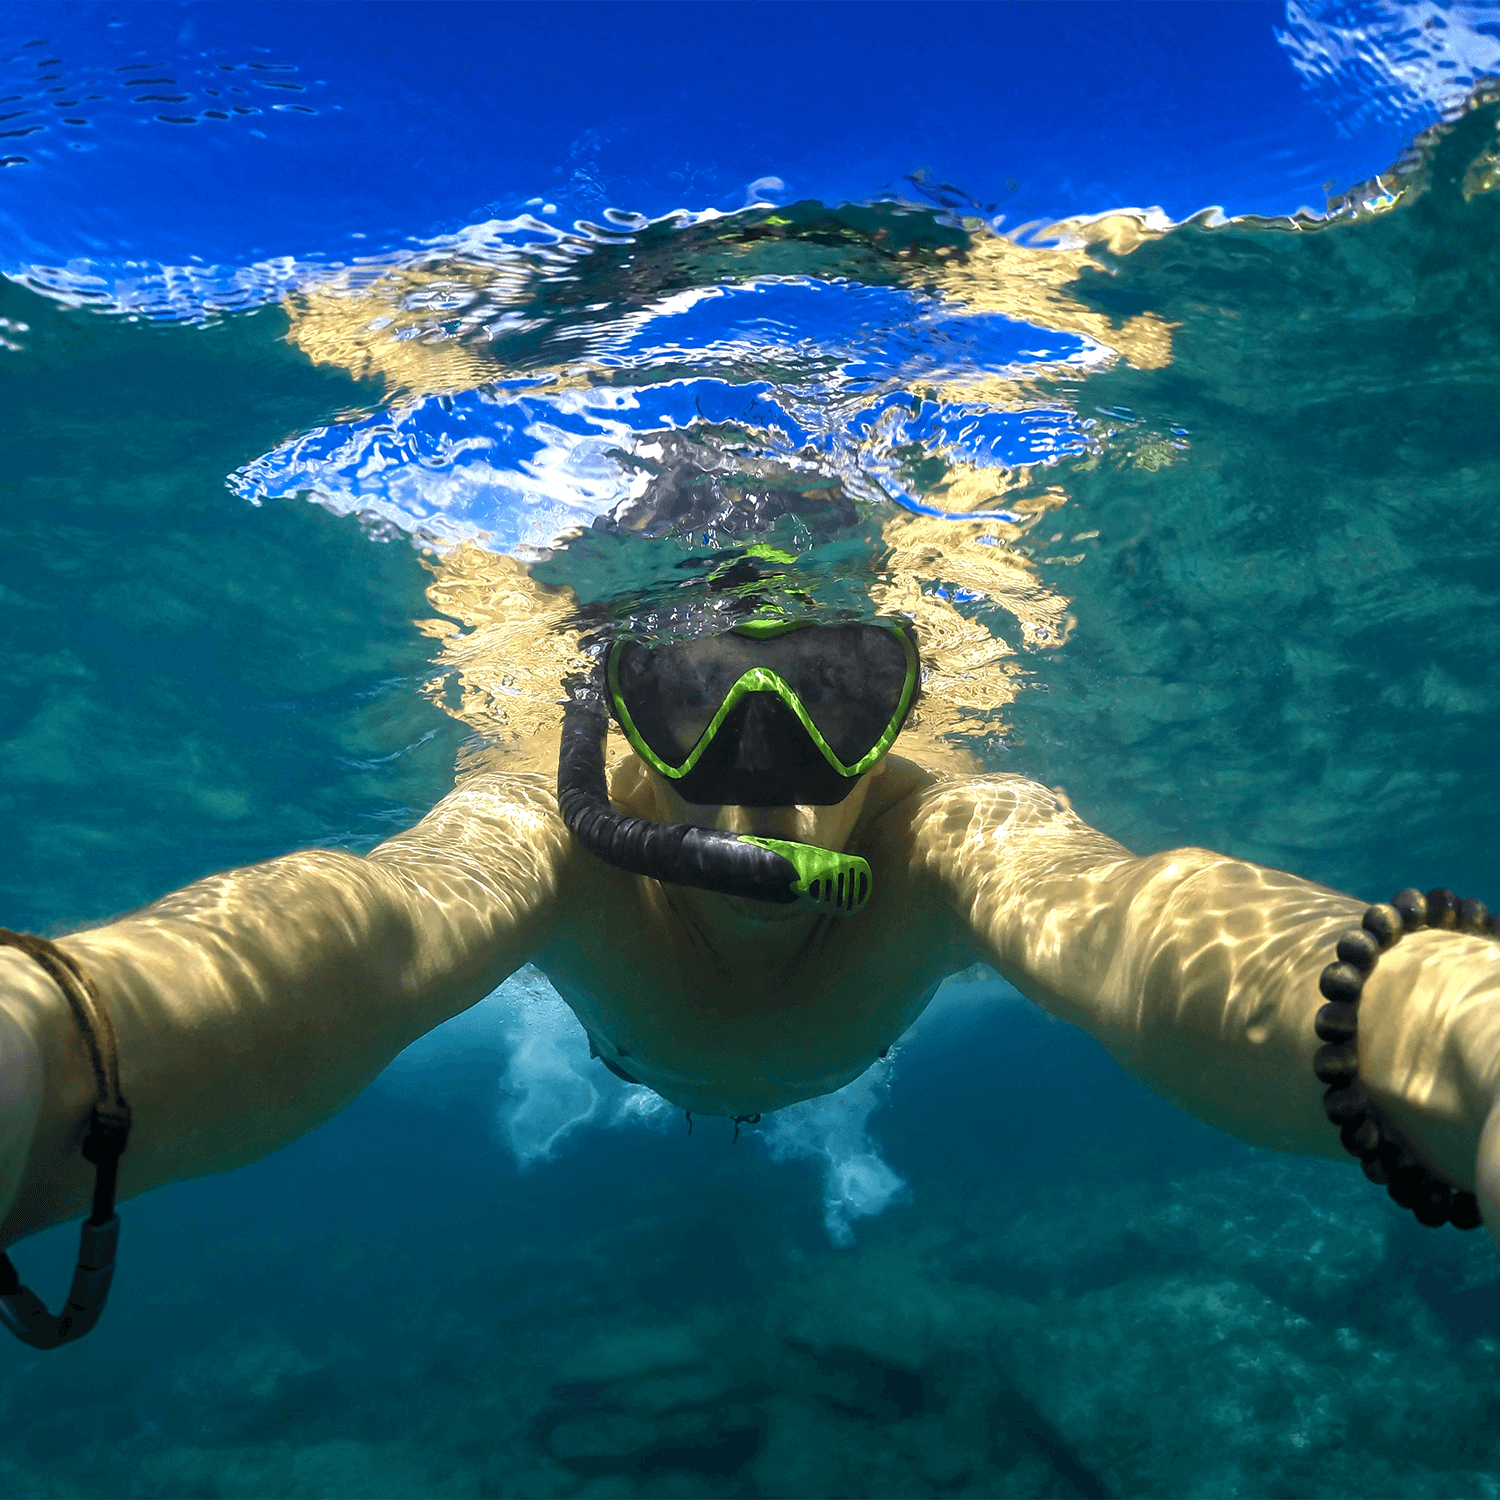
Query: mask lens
672, 692
850, 679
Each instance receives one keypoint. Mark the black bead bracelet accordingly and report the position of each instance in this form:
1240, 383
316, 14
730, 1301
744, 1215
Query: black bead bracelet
1385, 1159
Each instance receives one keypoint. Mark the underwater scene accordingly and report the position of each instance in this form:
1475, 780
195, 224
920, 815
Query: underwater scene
1160, 395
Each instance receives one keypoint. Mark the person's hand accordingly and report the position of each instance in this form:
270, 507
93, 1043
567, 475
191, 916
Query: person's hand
20, 1104
1487, 1176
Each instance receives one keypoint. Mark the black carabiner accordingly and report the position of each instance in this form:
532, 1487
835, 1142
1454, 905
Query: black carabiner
26, 1315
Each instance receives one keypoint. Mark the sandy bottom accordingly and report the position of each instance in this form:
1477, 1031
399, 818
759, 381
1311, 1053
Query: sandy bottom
1080, 1293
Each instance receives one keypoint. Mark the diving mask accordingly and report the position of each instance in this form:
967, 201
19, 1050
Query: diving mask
770, 714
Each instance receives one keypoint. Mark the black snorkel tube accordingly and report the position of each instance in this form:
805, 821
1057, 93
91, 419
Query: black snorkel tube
709, 859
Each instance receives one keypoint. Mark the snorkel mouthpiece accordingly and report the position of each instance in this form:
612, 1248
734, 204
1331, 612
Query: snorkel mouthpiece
709, 859
825, 877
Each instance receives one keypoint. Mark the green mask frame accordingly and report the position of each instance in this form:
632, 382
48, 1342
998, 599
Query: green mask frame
765, 680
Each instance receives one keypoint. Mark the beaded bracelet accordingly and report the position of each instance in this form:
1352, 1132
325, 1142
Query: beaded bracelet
1385, 1160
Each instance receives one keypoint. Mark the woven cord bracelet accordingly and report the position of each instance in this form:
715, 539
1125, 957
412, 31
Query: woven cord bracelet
1385, 1159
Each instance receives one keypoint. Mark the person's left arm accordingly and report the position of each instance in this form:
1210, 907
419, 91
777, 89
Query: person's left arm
1199, 973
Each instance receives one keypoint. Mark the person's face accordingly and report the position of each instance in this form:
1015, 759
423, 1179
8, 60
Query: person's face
826, 827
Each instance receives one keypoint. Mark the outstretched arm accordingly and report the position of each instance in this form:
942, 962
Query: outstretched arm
1199, 973
252, 1006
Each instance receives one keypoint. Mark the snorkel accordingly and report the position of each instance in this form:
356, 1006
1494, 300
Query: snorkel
740, 730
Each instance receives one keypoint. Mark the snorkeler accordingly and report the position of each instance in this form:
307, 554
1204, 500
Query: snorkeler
746, 910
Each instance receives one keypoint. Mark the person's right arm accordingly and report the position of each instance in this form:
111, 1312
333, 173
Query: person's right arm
252, 1006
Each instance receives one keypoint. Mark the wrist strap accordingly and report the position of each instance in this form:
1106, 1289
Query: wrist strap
21, 1310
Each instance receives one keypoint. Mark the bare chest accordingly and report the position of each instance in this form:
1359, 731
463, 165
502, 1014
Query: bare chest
746, 1020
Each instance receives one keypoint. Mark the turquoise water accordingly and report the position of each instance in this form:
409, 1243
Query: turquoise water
1277, 548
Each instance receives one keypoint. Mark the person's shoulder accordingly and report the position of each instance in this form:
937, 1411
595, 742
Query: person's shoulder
912, 791
959, 827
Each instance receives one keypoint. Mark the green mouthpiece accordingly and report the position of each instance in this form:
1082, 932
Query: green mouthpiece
825, 877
